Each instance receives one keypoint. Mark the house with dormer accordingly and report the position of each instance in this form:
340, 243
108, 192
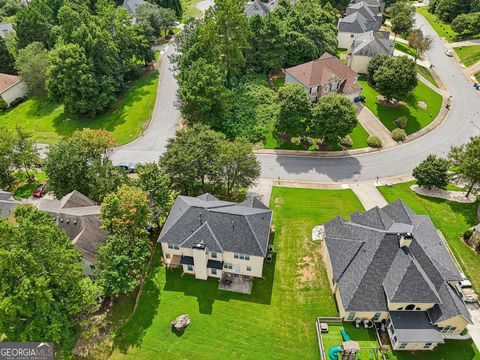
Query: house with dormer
208, 237
323, 76
391, 265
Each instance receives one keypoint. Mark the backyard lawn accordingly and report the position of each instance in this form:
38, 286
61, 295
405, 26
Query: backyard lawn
468, 54
452, 349
48, 121
365, 338
451, 218
277, 321
443, 30
425, 72
418, 118
359, 137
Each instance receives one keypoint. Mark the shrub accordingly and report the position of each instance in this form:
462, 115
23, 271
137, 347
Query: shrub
306, 141
432, 173
374, 141
346, 141
467, 235
3, 105
401, 122
399, 134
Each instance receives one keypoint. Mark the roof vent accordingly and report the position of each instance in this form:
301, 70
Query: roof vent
75, 222
61, 220
200, 218
68, 221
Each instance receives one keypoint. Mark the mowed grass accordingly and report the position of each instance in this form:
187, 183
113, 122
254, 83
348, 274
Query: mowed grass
405, 48
426, 73
443, 30
126, 119
451, 218
277, 321
365, 337
418, 118
469, 55
359, 138
24, 187
451, 350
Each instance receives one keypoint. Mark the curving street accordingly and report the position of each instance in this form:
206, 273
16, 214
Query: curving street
462, 122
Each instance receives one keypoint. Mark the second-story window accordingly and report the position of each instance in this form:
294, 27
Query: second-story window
173, 246
241, 256
213, 254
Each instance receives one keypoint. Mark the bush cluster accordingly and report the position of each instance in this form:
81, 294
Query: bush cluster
374, 141
399, 134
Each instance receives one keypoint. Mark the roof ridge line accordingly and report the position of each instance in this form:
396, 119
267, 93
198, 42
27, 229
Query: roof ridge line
353, 257
213, 235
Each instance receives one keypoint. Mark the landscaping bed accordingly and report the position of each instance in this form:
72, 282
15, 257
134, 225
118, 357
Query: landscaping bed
418, 117
48, 122
469, 55
277, 321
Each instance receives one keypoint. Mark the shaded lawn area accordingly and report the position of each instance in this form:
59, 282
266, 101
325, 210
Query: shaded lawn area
405, 48
24, 188
127, 118
426, 73
468, 54
277, 321
451, 218
359, 137
477, 76
365, 338
443, 29
418, 118
452, 349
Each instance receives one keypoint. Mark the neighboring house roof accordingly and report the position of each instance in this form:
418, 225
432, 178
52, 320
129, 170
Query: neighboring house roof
131, 5
373, 43
357, 23
363, 9
7, 203
7, 81
6, 28
257, 7
78, 215
219, 225
374, 4
321, 72
371, 268
414, 326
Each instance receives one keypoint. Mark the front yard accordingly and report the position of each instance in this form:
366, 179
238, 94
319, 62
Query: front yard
418, 117
127, 118
443, 30
469, 55
277, 321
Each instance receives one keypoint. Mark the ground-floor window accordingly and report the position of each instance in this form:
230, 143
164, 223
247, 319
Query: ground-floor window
214, 271
394, 339
403, 345
427, 345
377, 316
227, 266
189, 267
351, 316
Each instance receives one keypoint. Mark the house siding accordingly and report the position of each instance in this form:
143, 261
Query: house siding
14, 92
359, 63
345, 39
458, 321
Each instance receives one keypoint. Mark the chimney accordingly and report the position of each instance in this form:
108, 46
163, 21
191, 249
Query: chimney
405, 239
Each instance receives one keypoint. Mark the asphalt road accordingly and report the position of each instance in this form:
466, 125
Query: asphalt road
462, 122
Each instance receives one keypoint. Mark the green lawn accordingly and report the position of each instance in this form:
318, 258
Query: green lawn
477, 76
359, 137
189, 9
365, 338
451, 218
443, 30
277, 321
418, 118
425, 72
451, 350
127, 118
405, 48
24, 187
468, 54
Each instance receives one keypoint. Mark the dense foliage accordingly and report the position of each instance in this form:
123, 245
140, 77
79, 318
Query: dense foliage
396, 77
432, 173
43, 293
466, 161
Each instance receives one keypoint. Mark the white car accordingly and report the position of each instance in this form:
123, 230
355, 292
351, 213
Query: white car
449, 52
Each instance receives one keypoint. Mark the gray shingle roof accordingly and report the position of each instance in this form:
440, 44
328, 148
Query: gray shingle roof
414, 326
257, 7
7, 203
375, 5
363, 9
369, 266
220, 225
131, 5
372, 43
357, 23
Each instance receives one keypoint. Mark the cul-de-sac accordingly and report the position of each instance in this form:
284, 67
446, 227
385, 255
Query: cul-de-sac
248, 179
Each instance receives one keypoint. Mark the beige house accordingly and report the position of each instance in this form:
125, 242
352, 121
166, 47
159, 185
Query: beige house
390, 265
208, 237
324, 76
365, 47
12, 87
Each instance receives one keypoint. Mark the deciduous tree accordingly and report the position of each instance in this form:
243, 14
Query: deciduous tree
6, 59
294, 110
396, 78
7, 157
25, 152
402, 24
466, 160
419, 42
32, 63
44, 293
432, 173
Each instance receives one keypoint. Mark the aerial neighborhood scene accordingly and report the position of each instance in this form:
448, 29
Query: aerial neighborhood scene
251, 179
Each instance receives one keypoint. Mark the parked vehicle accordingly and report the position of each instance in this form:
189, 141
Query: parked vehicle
466, 290
40, 190
130, 167
449, 52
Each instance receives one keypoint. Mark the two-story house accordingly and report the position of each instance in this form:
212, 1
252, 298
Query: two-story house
209, 237
390, 265
325, 75
365, 47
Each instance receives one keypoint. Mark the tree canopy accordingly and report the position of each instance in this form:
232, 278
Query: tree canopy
466, 161
432, 173
396, 77
294, 110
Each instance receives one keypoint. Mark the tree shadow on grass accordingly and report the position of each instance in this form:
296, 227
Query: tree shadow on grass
207, 292
132, 332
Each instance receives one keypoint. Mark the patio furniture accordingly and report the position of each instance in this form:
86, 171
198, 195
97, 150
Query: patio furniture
367, 324
181, 322
270, 248
357, 323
